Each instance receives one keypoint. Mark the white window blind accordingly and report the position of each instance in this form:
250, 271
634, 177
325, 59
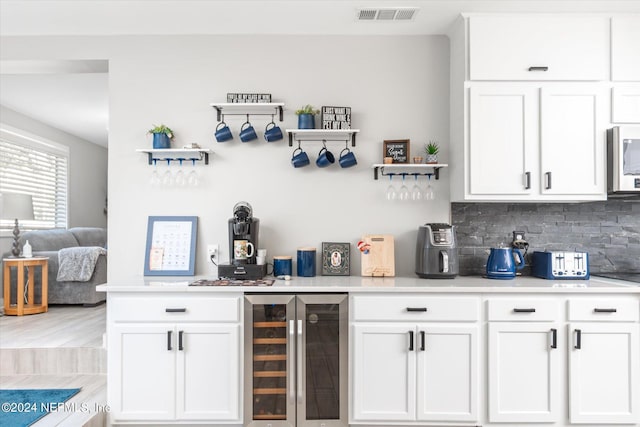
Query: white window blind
39, 169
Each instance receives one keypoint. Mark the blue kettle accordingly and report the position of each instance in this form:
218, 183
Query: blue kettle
501, 264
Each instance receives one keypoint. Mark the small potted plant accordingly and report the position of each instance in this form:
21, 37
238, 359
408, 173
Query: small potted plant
431, 150
162, 136
306, 117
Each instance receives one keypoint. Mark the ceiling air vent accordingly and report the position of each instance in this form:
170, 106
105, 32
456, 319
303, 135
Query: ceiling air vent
387, 14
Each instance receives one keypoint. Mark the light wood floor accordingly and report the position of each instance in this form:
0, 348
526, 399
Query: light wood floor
61, 326
62, 348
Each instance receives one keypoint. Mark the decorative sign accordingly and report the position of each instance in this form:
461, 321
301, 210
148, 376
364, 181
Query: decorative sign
251, 98
397, 149
336, 117
171, 246
336, 259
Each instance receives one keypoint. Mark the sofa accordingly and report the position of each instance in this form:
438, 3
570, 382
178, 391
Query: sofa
47, 243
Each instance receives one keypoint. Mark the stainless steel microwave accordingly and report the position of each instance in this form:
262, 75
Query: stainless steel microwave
623, 159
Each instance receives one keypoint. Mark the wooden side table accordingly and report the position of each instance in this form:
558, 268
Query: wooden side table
21, 307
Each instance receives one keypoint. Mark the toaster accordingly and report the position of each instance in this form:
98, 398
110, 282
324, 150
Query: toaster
560, 265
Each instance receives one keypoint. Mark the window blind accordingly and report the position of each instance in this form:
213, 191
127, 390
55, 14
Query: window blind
39, 170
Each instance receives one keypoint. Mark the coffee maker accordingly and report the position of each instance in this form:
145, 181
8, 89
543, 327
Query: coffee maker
243, 246
436, 252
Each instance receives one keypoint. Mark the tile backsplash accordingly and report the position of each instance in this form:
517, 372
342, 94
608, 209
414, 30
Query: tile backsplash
609, 231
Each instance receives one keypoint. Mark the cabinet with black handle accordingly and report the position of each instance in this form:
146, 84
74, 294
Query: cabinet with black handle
174, 359
411, 363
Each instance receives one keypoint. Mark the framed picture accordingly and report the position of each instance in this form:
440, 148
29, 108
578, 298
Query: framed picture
397, 149
336, 259
171, 246
336, 117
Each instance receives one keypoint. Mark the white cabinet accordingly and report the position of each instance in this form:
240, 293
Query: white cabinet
530, 142
625, 103
538, 47
416, 366
572, 141
524, 360
174, 359
625, 55
604, 361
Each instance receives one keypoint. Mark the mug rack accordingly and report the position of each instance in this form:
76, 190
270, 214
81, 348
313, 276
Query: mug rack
248, 109
322, 135
407, 169
176, 154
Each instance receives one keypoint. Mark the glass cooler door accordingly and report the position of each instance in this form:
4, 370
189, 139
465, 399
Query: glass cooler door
269, 368
322, 360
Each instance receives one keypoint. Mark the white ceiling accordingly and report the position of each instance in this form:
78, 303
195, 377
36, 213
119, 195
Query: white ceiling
62, 99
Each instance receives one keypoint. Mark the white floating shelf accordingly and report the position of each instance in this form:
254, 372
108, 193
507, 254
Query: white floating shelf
322, 135
250, 108
380, 167
175, 153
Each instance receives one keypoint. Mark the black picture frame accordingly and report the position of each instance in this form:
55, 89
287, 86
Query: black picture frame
397, 149
336, 259
171, 246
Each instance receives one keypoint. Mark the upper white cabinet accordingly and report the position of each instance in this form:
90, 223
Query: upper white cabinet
542, 47
549, 139
625, 103
625, 52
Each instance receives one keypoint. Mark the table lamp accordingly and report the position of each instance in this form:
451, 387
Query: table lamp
19, 207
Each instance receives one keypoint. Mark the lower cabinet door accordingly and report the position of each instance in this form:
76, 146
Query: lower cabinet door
384, 364
447, 373
208, 372
604, 383
523, 372
141, 372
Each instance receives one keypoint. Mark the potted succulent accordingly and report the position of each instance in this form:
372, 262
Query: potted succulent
306, 117
162, 136
431, 150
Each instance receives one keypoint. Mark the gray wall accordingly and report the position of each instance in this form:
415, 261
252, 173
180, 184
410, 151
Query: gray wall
397, 87
609, 231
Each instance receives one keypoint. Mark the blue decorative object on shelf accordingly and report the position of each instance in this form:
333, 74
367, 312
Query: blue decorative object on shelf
161, 140
306, 121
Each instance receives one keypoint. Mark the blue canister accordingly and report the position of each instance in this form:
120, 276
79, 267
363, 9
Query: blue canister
307, 262
282, 266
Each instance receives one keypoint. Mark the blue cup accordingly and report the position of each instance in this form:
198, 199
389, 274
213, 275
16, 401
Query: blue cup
300, 159
347, 159
273, 133
223, 133
325, 158
306, 262
282, 266
247, 132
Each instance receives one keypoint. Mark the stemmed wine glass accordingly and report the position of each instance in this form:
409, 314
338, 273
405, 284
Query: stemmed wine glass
180, 178
428, 192
391, 190
155, 176
416, 191
192, 179
404, 190
167, 178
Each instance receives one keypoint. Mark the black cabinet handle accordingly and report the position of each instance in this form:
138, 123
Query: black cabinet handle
175, 310
554, 338
527, 180
169, 340
422, 341
524, 310
578, 344
605, 310
539, 68
180, 347
417, 309
410, 340
548, 176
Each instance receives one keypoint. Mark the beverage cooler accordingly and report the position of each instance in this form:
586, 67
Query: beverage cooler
296, 360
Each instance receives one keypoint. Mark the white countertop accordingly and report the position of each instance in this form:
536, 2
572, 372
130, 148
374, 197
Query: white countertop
358, 284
